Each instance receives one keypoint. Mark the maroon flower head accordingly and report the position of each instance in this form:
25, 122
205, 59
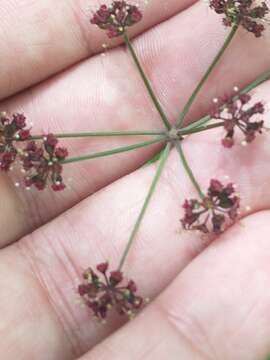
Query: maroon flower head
19, 121
42, 163
244, 12
209, 214
102, 292
11, 131
50, 142
24, 134
237, 114
7, 159
103, 267
116, 17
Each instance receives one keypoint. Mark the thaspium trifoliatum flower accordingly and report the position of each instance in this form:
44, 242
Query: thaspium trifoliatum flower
42, 159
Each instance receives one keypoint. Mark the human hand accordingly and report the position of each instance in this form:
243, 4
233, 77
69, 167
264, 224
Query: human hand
217, 304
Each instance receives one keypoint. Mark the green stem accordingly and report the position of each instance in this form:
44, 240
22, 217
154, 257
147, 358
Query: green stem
146, 82
188, 170
114, 151
102, 134
184, 132
204, 120
265, 76
198, 129
152, 188
193, 96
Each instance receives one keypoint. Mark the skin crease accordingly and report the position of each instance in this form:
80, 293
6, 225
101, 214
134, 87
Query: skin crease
50, 36
85, 95
217, 306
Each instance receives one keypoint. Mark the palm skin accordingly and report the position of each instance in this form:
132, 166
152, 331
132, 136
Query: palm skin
216, 302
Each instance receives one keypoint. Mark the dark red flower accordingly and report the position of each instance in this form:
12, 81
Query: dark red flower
50, 142
11, 130
209, 214
103, 292
116, 17
103, 267
61, 153
7, 159
19, 120
244, 12
42, 163
24, 134
237, 114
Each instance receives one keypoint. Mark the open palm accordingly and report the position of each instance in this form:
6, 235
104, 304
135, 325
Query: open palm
216, 302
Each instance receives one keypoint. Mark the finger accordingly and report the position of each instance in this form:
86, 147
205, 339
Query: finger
217, 308
121, 102
98, 228
47, 37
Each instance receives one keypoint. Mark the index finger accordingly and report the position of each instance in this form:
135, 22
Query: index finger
40, 38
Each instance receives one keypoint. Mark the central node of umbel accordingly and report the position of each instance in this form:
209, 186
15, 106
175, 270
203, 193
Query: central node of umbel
173, 134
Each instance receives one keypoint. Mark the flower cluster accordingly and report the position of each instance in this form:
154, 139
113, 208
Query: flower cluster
116, 17
103, 294
42, 162
236, 114
209, 214
11, 130
244, 12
